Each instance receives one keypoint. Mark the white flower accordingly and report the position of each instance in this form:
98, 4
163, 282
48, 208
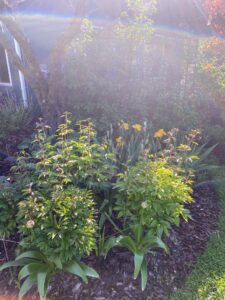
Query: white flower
30, 224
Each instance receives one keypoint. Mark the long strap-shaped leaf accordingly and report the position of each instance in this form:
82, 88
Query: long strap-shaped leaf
10, 264
30, 269
28, 283
126, 241
76, 269
144, 274
42, 287
31, 254
89, 271
138, 260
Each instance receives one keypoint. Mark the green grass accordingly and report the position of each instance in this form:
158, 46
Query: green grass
207, 280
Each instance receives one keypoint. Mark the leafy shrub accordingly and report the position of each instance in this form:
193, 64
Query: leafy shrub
150, 198
153, 195
17, 121
56, 215
62, 225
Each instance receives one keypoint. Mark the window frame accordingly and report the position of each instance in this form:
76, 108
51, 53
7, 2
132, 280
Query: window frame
7, 84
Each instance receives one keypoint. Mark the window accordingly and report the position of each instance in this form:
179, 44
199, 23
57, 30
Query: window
21, 76
5, 77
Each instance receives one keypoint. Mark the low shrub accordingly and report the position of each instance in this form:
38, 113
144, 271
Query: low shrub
151, 198
56, 217
153, 195
62, 226
17, 122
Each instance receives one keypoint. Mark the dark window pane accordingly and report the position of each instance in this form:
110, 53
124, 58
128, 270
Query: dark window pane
4, 72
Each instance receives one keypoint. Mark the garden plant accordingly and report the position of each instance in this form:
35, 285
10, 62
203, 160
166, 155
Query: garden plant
112, 164
57, 203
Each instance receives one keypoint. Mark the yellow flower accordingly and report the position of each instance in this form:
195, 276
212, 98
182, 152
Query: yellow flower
137, 127
160, 133
124, 126
119, 141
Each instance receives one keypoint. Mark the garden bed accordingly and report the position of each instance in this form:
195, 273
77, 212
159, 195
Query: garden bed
166, 272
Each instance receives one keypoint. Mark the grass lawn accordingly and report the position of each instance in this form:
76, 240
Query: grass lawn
207, 280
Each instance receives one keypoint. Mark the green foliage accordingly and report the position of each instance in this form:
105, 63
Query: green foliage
211, 66
139, 244
56, 215
125, 81
150, 198
37, 269
153, 195
108, 83
59, 178
16, 120
183, 152
130, 142
7, 207
135, 22
62, 225
11, 193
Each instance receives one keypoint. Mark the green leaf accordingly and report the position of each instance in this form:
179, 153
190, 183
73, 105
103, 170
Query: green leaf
207, 152
144, 274
126, 241
10, 264
138, 233
30, 269
31, 254
58, 263
42, 287
138, 259
27, 285
89, 271
162, 245
76, 269
110, 243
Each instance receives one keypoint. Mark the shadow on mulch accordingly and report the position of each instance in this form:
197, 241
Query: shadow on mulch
166, 272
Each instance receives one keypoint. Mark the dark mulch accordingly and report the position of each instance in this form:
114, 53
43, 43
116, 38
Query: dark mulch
166, 272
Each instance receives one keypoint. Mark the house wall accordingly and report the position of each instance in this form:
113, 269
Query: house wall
13, 89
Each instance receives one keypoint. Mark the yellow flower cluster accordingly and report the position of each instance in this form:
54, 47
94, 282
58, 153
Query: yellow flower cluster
119, 141
160, 133
137, 127
125, 126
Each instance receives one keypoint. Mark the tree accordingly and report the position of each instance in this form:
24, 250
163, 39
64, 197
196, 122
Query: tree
47, 91
212, 55
215, 10
44, 89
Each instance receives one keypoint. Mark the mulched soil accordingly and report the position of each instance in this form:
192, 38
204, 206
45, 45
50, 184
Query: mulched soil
166, 272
